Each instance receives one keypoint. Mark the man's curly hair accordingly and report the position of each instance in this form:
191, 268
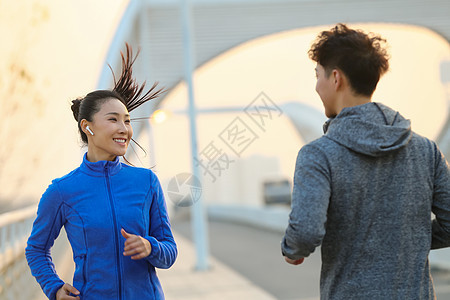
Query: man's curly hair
360, 56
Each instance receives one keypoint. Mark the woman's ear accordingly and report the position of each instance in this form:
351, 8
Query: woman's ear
84, 124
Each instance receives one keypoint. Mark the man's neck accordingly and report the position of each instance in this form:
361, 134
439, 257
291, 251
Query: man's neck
350, 99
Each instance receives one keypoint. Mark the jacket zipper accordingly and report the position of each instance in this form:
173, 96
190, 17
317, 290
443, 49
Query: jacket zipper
116, 235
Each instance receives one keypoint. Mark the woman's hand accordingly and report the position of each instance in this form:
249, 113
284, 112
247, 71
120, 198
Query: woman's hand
64, 292
136, 245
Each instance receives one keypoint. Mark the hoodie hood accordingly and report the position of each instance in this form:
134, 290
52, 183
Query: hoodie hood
372, 129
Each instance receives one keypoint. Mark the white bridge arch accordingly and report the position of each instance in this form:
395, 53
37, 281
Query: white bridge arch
155, 27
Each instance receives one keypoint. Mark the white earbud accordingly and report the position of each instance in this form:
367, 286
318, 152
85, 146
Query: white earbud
90, 131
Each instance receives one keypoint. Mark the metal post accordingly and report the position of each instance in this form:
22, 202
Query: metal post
199, 224
145, 66
3, 246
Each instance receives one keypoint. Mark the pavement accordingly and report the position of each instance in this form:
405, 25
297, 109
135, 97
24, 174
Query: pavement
182, 281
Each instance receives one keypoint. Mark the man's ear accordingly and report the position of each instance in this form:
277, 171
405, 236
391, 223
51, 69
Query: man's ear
339, 78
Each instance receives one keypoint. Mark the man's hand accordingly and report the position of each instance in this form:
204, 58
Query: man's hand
294, 262
136, 245
64, 293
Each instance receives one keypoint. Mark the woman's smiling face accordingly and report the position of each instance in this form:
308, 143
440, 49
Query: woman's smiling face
112, 131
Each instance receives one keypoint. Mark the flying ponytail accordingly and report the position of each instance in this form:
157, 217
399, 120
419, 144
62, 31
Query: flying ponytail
126, 90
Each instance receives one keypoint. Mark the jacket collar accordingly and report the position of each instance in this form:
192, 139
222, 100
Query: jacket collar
101, 167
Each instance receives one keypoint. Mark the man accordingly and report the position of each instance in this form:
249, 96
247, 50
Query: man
366, 190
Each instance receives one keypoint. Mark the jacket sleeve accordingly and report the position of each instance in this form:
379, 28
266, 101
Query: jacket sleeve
310, 199
441, 203
46, 228
164, 250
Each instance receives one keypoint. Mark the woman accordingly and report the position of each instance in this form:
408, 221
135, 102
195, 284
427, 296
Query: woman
114, 214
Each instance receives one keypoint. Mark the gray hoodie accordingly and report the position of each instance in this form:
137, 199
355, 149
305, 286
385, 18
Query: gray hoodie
366, 191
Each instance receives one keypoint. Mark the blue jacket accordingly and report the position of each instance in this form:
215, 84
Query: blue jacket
93, 203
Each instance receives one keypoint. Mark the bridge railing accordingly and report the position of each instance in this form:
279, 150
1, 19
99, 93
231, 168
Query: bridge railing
15, 227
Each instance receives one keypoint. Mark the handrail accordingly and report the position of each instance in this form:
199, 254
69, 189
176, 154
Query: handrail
17, 215
15, 227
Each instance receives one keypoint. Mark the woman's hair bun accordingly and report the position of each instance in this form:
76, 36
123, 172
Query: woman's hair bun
76, 108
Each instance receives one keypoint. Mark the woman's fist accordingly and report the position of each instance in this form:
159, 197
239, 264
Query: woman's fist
135, 246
